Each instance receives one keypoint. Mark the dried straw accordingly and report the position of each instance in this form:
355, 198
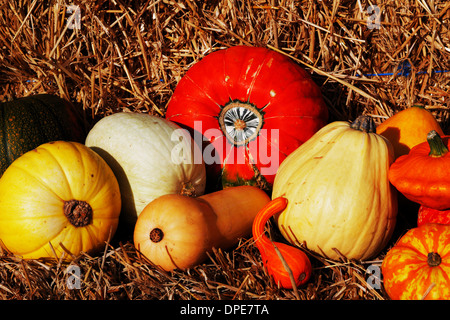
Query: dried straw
129, 55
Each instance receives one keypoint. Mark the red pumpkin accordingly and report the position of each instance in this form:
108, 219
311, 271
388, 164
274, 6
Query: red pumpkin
429, 215
249, 107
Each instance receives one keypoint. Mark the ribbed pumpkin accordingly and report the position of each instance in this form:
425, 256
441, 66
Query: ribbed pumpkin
423, 175
250, 107
150, 157
418, 266
61, 193
338, 192
29, 122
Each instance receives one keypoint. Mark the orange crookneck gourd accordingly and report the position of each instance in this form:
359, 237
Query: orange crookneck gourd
286, 264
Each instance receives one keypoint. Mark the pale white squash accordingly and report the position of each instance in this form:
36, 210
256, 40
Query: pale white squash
339, 195
150, 157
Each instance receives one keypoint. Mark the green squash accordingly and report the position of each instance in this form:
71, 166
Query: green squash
26, 123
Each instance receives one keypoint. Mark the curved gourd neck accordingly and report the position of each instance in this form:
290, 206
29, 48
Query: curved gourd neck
275, 206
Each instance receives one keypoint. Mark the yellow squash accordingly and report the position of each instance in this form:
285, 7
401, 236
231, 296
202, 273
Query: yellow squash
61, 196
338, 192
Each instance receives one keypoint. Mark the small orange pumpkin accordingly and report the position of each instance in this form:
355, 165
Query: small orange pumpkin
429, 215
401, 132
418, 266
423, 175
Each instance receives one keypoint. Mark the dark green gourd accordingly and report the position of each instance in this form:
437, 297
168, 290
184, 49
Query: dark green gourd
26, 123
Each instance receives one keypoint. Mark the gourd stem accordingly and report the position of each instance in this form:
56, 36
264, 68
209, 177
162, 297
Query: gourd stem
364, 123
79, 213
434, 259
188, 189
156, 235
437, 146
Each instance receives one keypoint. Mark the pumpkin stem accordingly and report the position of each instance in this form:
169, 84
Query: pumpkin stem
437, 146
364, 123
240, 122
156, 235
434, 259
188, 189
79, 213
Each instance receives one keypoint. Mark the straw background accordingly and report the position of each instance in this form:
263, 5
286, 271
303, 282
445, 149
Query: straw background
129, 56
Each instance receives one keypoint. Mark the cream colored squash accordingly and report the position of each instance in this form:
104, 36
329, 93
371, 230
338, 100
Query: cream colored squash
339, 195
150, 157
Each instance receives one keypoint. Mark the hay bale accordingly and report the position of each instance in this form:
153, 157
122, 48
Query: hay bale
128, 55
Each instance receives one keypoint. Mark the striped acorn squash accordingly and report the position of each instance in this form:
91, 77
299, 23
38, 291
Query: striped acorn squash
26, 123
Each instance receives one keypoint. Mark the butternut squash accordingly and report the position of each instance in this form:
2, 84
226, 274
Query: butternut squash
176, 231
